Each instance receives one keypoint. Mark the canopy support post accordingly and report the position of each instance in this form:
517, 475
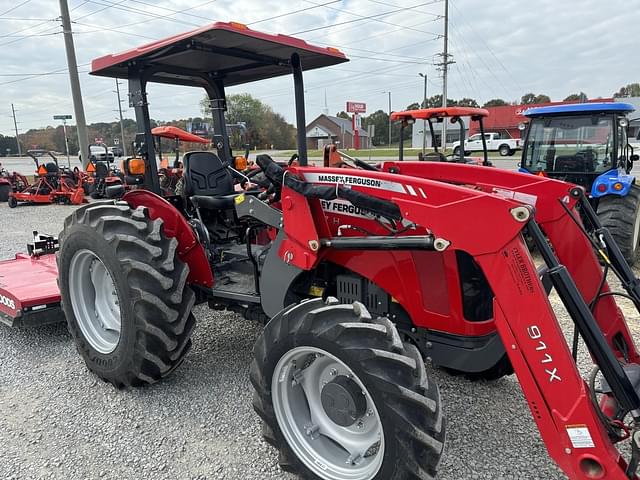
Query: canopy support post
144, 139
301, 123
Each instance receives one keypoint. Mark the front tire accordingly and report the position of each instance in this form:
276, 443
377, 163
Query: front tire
124, 294
341, 396
621, 215
13, 203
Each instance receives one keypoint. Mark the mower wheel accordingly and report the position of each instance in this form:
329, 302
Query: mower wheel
5, 190
124, 293
342, 397
96, 194
13, 203
621, 215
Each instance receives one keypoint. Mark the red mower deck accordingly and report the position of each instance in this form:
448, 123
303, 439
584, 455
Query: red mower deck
29, 293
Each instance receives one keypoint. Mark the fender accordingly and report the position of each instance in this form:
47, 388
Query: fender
612, 182
190, 251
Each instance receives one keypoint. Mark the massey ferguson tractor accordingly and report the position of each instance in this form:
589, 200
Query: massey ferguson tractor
587, 144
359, 274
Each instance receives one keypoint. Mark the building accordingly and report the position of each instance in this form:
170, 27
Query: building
503, 120
325, 130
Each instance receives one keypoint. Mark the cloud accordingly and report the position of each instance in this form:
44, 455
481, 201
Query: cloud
501, 50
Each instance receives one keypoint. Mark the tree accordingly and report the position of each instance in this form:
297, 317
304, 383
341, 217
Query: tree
630, 90
264, 126
380, 120
344, 115
413, 106
531, 98
468, 102
576, 97
495, 102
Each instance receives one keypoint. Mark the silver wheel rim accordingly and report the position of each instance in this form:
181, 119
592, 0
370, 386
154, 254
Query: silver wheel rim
95, 302
330, 451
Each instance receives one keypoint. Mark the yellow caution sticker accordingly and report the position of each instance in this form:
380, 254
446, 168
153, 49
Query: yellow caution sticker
316, 291
239, 199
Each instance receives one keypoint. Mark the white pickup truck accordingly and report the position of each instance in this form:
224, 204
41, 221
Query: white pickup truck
495, 143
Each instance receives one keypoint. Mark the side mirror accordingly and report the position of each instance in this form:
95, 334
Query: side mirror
635, 157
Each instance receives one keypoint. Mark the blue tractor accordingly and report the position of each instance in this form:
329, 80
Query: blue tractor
587, 144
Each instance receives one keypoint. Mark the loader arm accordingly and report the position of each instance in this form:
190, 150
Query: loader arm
571, 247
491, 232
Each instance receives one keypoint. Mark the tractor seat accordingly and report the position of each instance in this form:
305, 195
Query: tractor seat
208, 182
224, 202
52, 168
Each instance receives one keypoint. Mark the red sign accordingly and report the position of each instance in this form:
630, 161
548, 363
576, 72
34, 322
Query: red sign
356, 107
99, 140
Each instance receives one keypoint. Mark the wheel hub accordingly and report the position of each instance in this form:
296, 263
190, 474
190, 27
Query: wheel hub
343, 401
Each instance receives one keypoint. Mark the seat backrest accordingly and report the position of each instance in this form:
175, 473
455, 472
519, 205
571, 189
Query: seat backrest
205, 174
102, 171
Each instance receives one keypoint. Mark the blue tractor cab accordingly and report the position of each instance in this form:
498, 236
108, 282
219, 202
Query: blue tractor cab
587, 144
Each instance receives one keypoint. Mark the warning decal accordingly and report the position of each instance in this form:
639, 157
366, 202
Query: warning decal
580, 436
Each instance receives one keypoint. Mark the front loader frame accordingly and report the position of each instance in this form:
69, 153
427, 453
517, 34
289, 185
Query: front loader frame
555, 391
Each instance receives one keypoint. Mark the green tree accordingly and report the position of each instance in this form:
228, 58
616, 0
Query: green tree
344, 115
264, 126
576, 97
630, 90
531, 98
495, 102
380, 120
468, 102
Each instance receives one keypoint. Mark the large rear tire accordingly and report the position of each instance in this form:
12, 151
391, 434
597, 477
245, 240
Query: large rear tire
124, 293
343, 398
621, 215
5, 190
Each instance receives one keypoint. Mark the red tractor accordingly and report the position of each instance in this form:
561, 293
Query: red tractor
358, 275
11, 182
51, 185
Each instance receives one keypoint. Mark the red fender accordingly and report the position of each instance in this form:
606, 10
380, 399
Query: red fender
190, 251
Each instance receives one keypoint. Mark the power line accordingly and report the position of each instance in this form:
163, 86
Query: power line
182, 12
14, 8
414, 8
293, 12
368, 17
373, 18
117, 6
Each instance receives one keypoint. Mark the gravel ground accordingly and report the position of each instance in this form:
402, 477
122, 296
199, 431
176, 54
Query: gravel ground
58, 421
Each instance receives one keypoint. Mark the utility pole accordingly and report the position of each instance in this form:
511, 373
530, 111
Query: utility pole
445, 67
124, 146
390, 119
15, 125
83, 139
424, 122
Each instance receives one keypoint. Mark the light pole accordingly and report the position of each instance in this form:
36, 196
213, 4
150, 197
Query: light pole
64, 119
424, 122
389, 117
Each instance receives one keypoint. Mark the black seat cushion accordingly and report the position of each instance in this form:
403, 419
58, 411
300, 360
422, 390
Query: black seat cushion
213, 203
206, 175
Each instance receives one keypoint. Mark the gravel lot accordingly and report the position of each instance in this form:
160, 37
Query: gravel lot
58, 421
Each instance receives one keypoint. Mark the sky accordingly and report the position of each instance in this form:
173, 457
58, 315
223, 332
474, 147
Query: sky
501, 50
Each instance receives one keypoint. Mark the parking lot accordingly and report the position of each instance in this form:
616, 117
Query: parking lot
59, 421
